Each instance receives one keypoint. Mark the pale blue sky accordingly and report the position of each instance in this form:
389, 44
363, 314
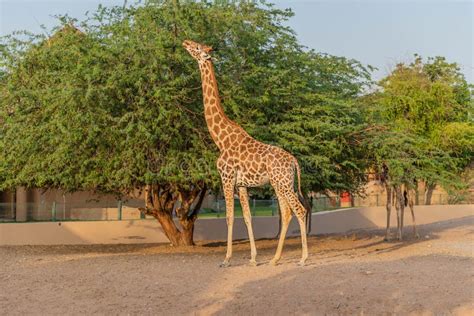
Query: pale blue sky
380, 33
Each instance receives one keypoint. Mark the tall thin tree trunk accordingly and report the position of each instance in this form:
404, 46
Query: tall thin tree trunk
388, 189
429, 192
400, 207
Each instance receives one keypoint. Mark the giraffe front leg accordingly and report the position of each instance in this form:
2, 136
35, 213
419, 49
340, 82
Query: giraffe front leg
229, 209
244, 201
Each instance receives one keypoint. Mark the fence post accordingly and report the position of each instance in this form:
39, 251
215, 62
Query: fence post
64, 207
119, 210
218, 209
13, 206
254, 210
273, 207
53, 212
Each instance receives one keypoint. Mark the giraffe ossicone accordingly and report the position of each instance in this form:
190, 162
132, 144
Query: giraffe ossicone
245, 162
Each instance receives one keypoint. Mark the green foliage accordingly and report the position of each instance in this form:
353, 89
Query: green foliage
422, 97
116, 103
424, 113
321, 128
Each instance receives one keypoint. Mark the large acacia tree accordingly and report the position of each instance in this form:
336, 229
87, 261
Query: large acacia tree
113, 103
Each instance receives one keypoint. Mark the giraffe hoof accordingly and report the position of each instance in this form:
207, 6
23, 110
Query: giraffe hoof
253, 263
274, 262
224, 264
301, 263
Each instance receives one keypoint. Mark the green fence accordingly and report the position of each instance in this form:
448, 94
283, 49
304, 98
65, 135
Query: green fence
257, 208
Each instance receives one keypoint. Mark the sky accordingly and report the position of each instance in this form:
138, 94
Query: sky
379, 33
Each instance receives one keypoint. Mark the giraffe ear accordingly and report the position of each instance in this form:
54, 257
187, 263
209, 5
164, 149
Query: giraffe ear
207, 49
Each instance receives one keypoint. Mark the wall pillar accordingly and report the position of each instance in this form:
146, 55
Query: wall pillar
21, 204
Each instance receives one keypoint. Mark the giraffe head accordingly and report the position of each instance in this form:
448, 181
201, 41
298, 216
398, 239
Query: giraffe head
198, 51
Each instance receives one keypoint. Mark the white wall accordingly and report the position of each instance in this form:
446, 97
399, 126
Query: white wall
149, 231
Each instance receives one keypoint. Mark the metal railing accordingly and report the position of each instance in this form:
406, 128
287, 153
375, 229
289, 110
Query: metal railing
7, 211
72, 211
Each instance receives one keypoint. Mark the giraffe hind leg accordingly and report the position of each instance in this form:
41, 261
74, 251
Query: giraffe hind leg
300, 212
285, 218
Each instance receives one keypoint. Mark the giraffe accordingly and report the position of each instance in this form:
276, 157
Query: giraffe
245, 162
398, 196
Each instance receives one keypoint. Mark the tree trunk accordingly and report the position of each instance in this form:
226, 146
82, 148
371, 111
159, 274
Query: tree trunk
160, 203
429, 192
388, 188
187, 232
399, 206
169, 227
182, 236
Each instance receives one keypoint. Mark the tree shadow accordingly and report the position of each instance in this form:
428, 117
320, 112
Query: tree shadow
80, 249
427, 233
264, 245
215, 244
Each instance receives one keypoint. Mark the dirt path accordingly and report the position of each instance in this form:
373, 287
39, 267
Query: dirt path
355, 274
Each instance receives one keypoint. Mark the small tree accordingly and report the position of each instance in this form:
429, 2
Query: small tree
422, 111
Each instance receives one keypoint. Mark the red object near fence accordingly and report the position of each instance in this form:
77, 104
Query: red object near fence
345, 197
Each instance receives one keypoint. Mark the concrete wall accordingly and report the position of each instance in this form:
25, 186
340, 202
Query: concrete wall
36, 204
149, 231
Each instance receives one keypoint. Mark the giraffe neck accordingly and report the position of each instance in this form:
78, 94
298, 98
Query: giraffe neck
218, 123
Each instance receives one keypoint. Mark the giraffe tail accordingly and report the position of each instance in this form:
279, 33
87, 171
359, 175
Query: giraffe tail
302, 197
303, 200
298, 173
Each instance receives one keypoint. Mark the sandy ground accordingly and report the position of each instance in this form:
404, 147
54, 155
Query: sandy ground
354, 274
